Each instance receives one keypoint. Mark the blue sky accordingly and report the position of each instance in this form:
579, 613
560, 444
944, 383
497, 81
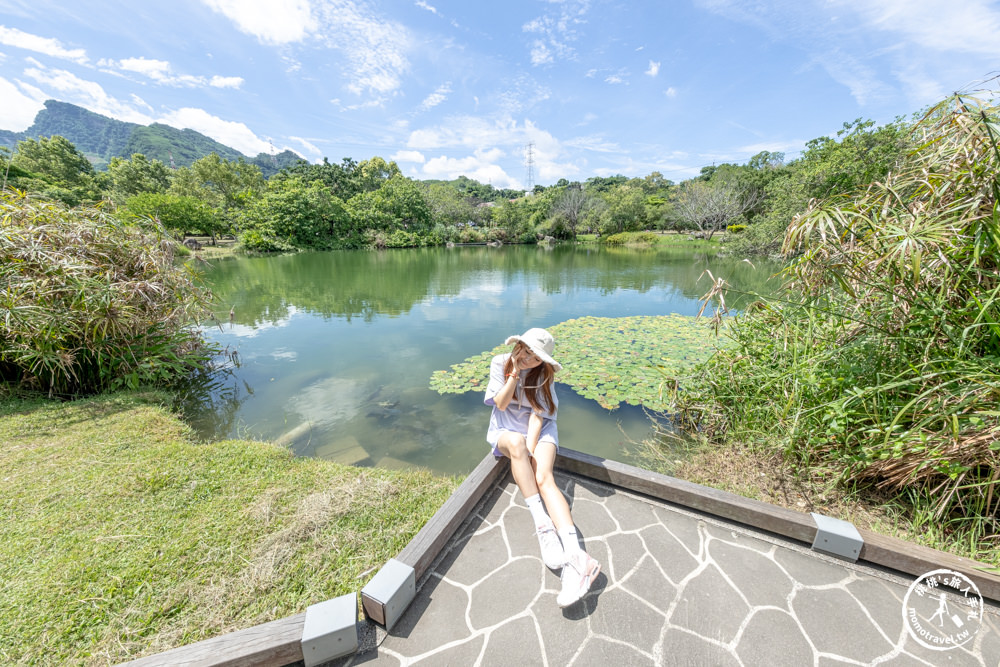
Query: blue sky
452, 87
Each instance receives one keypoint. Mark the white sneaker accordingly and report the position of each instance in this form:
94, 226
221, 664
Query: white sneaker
577, 576
552, 550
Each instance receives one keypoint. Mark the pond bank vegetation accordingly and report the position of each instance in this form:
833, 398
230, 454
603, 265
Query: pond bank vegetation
878, 367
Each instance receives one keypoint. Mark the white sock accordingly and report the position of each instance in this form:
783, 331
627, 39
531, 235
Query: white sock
537, 510
570, 540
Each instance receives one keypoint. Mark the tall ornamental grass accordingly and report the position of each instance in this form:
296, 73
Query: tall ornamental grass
881, 359
89, 303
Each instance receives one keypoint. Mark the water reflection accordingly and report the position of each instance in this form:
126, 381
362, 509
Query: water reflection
337, 348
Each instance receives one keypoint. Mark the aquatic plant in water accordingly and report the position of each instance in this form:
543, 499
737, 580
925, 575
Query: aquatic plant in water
611, 360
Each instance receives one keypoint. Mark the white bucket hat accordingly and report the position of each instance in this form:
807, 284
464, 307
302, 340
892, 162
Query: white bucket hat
541, 343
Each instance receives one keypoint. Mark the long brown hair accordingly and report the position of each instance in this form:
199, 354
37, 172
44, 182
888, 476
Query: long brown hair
538, 378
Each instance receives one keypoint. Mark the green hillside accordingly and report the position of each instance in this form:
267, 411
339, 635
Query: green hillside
100, 138
160, 142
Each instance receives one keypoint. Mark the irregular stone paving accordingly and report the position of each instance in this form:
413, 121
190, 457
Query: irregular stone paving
675, 588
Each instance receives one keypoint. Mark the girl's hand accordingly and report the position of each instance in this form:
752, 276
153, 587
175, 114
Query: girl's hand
513, 363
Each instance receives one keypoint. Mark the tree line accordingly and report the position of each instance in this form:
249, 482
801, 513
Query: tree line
372, 204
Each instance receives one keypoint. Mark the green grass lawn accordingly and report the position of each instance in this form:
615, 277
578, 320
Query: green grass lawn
121, 536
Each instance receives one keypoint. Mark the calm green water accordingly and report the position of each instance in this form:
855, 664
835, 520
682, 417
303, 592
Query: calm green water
336, 348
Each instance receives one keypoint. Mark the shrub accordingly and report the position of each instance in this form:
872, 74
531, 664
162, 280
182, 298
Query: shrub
91, 303
632, 238
470, 235
736, 229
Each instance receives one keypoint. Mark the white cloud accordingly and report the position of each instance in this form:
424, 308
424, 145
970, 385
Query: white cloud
614, 79
489, 142
154, 69
970, 26
162, 72
230, 133
916, 38
270, 21
670, 92
519, 95
87, 94
424, 5
474, 167
594, 143
408, 156
557, 29
45, 45
225, 81
436, 98
309, 146
654, 68
139, 102
19, 110
540, 53
374, 47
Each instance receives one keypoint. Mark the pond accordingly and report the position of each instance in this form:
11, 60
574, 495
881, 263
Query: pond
336, 349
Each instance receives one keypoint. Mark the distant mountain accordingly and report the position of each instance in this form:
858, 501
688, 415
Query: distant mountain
101, 138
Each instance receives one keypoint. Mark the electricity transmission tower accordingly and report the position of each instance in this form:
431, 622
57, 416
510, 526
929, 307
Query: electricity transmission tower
529, 162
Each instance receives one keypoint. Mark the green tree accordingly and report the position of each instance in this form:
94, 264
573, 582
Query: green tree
371, 174
136, 175
224, 184
570, 209
178, 214
602, 184
449, 206
58, 169
860, 154
295, 214
398, 205
624, 211
339, 178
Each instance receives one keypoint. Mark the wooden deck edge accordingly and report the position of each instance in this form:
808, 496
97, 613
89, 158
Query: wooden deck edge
884, 551
276, 643
427, 544
774, 519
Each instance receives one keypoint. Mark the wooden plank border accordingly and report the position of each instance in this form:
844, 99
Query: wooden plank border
881, 550
427, 544
386, 596
273, 644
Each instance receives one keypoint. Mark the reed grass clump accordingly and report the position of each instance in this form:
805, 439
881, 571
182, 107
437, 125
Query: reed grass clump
89, 303
880, 360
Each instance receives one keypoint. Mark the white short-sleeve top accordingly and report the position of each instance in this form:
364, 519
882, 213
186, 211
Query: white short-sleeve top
515, 417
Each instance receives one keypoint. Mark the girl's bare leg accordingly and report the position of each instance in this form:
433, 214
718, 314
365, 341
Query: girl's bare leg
555, 502
514, 447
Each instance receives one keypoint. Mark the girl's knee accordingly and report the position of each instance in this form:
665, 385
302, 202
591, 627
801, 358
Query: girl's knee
513, 445
544, 479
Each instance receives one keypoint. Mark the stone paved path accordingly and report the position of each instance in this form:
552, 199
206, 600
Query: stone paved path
676, 588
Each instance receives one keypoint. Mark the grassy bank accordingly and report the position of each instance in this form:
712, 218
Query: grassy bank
662, 238
121, 536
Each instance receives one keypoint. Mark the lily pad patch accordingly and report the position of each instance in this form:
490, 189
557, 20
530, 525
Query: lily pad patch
611, 360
